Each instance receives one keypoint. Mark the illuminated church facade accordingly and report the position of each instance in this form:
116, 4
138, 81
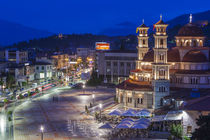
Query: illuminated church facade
160, 71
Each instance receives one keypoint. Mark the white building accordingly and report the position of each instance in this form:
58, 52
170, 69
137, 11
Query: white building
43, 70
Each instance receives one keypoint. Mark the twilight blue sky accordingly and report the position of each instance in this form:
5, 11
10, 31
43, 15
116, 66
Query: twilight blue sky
83, 16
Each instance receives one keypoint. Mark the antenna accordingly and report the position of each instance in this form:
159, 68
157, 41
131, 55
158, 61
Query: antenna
190, 18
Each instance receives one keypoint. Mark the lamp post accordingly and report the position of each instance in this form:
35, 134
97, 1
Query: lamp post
42, 132
83, 86
100, 106
93, 96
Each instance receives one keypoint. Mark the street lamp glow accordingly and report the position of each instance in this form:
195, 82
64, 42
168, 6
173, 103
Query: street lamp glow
93, 96
42, 129
100, 106
83, 86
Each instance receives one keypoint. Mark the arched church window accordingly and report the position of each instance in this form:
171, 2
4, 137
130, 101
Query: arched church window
194, 43
162, 72
161, 41
161, 57
187, 43
144, 42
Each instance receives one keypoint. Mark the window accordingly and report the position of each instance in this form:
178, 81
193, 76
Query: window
140, 100
161, 57
193, 80
161, 42
115, 63
42, 67
194, 43
121, 64
37, 67
108, 63
128, 64
144, 42
162, 89
161, 72
129, 100
189, 129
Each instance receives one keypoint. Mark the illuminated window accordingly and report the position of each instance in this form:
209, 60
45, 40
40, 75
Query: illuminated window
189, 129
161, 57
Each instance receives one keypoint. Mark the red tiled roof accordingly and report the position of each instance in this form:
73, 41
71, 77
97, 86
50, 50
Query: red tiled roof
190, 30
194, 56
200, 104
173, 56
135, 85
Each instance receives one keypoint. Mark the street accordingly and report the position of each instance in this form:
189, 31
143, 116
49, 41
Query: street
63, 118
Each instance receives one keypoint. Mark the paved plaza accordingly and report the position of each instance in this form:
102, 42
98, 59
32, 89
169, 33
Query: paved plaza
63, 118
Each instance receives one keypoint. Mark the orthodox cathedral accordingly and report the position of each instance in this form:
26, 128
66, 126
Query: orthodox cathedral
161, 71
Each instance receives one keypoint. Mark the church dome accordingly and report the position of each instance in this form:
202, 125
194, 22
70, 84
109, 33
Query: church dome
190, 30
194, 56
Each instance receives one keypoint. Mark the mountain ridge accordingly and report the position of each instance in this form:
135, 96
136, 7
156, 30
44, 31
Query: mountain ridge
11, 32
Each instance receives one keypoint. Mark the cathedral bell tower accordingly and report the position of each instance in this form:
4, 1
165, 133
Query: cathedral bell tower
160, 67
142, 43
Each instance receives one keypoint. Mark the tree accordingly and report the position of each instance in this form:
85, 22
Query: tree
176, 131
94, 80
203, 132
10, 79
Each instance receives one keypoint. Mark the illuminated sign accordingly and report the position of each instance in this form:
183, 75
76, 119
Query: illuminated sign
102, 46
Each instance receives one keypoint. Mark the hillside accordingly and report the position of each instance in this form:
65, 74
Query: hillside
71, 42
12, 32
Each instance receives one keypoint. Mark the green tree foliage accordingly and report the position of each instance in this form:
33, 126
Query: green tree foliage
5, 101
203, 132
94, 80
10, 80
176, 131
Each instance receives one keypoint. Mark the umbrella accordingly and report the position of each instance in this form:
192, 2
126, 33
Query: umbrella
144, 113
139, 126
129, 112
122, 126
106, 126
115, 113
128, 119
126, 123
143, 120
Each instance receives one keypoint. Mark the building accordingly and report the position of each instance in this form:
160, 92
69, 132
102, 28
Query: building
161, 71
192, 109
85, 52
115, 64
60, 61
15, 56
43, 70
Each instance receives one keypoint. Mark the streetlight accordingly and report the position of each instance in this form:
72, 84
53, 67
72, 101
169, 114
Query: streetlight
42, 132
100, 106
83, 86
93, 96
